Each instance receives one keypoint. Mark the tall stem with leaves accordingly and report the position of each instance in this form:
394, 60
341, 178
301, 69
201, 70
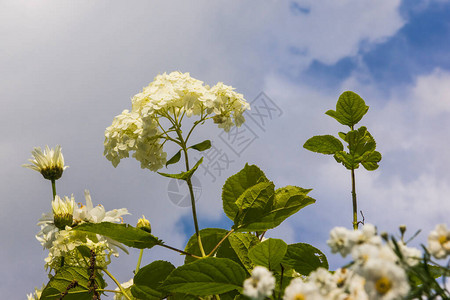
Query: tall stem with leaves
350, 109
186, 176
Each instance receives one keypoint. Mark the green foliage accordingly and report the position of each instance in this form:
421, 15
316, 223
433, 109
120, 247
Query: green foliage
205, 145
174, 159
123, 233
210, 238
59, 283
268, 253
251, 201
304, 258
325, 144
264, 208
237, 184
206, 276
350, 109
148, 281
236, 248
183, 175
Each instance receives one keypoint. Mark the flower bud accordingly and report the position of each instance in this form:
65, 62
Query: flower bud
63, 211
144, 224
402, 229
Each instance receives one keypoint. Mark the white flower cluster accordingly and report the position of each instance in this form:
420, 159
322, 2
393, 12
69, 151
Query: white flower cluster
172, 96
383, 274
321, 284
260, 285
65, 243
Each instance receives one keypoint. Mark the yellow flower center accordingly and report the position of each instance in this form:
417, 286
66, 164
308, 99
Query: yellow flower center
383, 285
442, 239
299, 297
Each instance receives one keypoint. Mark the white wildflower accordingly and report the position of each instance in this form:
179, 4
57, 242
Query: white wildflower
384, 280
300, 290
439, 241
50, 162
340, 241
260, 284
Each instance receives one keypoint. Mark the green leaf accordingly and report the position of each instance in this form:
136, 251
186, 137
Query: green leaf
174, 159
325, 144
361, 147
147, 282
304, 258
287, 201
205, 145
206, 276
59, 283
236, 185
371, 160
350, 109
210, 238
254, 203
123, 233
346, 159
236, 248
183, 175
268, 253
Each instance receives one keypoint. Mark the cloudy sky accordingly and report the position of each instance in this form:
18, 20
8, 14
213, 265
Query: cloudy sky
69, 67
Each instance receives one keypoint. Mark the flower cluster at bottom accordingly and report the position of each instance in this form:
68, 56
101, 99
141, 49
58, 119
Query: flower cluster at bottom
378, 270
65, 245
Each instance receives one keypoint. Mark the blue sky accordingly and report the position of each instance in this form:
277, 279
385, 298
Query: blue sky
68, 68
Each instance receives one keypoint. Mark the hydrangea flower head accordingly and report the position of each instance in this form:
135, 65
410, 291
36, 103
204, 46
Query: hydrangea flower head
171, 97
50, 162
260, 285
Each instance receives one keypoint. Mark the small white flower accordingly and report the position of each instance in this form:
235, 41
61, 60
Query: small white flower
300, 290
384, 280
340, 241
323, 280
439, 241
50, 162
260, 284
410, 255
366, 235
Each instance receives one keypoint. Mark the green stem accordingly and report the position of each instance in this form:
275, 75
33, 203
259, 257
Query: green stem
178, 250
355, 204
117, 283
139, 261
53, 188
221, 241
191, 192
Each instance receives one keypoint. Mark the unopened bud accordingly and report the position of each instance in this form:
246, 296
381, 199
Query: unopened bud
402, 229
385, 236
144, 224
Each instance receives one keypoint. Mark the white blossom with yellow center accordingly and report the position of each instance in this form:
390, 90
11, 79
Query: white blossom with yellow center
50, 162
